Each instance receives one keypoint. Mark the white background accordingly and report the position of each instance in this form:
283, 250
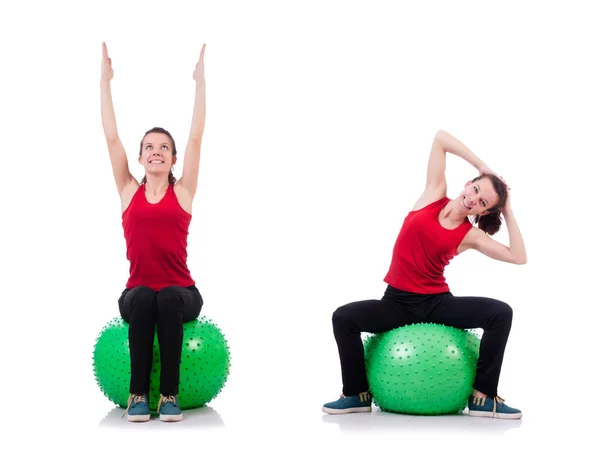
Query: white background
320, 118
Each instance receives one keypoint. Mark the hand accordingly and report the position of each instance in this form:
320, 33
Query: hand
107, 71
199, 72
485, 170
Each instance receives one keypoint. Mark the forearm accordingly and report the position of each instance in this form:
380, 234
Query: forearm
452, 145
199, 115
109, 122
516, 243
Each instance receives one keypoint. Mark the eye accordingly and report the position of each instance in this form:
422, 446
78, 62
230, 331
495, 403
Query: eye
164, 147
148, 147
476, 189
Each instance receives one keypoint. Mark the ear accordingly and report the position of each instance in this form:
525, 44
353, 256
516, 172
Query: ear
174, 160
487, 212
140, 160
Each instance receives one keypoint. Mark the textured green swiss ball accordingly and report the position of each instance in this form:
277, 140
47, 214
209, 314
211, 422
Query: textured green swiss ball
203, 371
422, 369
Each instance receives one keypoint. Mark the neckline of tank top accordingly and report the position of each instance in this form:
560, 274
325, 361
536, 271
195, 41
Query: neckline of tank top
437, 219
159, 201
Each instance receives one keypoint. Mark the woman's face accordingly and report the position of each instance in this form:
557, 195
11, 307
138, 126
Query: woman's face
478, 197
157, 153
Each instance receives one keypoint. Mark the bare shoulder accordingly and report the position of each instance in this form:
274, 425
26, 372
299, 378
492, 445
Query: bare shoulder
470, 239
184, 197
127, 194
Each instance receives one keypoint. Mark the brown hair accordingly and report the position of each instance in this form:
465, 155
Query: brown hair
172, 178
490, 223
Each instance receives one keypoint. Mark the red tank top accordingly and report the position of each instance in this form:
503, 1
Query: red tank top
422, 250
156, 238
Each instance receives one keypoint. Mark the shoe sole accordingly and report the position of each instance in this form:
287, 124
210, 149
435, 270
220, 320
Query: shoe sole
343, 411
138, 418
497, 415
171, 418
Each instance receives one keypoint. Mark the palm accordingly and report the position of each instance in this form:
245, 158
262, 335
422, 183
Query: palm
106, 69
199, 72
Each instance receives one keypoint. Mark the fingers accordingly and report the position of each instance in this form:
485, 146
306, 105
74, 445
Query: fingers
104, 51
202, 52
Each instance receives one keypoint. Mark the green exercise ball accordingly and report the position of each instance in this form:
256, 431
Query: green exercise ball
422, 369
205, 362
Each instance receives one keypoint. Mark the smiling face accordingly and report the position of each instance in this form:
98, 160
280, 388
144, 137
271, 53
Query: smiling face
477, 197
156, 154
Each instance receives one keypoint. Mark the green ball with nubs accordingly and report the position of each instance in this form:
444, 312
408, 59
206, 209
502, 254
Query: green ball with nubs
204, 368
422, 369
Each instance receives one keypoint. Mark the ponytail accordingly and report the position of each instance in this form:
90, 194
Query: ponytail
489, 223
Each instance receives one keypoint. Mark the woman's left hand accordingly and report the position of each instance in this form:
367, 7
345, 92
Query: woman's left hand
199, 72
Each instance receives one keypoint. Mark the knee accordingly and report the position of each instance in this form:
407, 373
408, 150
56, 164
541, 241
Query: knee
141, 297
137, 302
341, 317
168, 298
502, 313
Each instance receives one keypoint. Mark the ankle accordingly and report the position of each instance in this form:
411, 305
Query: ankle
479, 394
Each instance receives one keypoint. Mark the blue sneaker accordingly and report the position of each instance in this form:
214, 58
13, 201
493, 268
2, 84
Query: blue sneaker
349, 404
492, 408
137, 409
168, 409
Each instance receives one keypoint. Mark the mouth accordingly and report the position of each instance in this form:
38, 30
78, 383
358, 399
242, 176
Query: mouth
156, 161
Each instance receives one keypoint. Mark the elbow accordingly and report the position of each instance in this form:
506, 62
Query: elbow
520, 261
440, 135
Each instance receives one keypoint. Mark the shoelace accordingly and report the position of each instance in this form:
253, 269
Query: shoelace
133, 399
497, 401
163, 400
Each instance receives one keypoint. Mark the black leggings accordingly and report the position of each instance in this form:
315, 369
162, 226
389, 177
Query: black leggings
168, 309
398, 308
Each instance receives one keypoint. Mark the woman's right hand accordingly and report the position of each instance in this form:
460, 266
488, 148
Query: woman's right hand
107, 71
485, 170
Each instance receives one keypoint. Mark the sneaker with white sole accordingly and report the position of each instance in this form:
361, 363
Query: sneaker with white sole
349, 404
492, 408
137, 409
169, 409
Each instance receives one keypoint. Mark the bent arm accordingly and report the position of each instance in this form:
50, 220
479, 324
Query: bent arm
435, 185
451, 144
514, 253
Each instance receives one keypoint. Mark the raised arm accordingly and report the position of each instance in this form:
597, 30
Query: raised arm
435, 185
118, 157
191, 161
514, 253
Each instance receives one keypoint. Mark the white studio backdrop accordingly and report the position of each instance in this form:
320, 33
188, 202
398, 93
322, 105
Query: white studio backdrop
320, 118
